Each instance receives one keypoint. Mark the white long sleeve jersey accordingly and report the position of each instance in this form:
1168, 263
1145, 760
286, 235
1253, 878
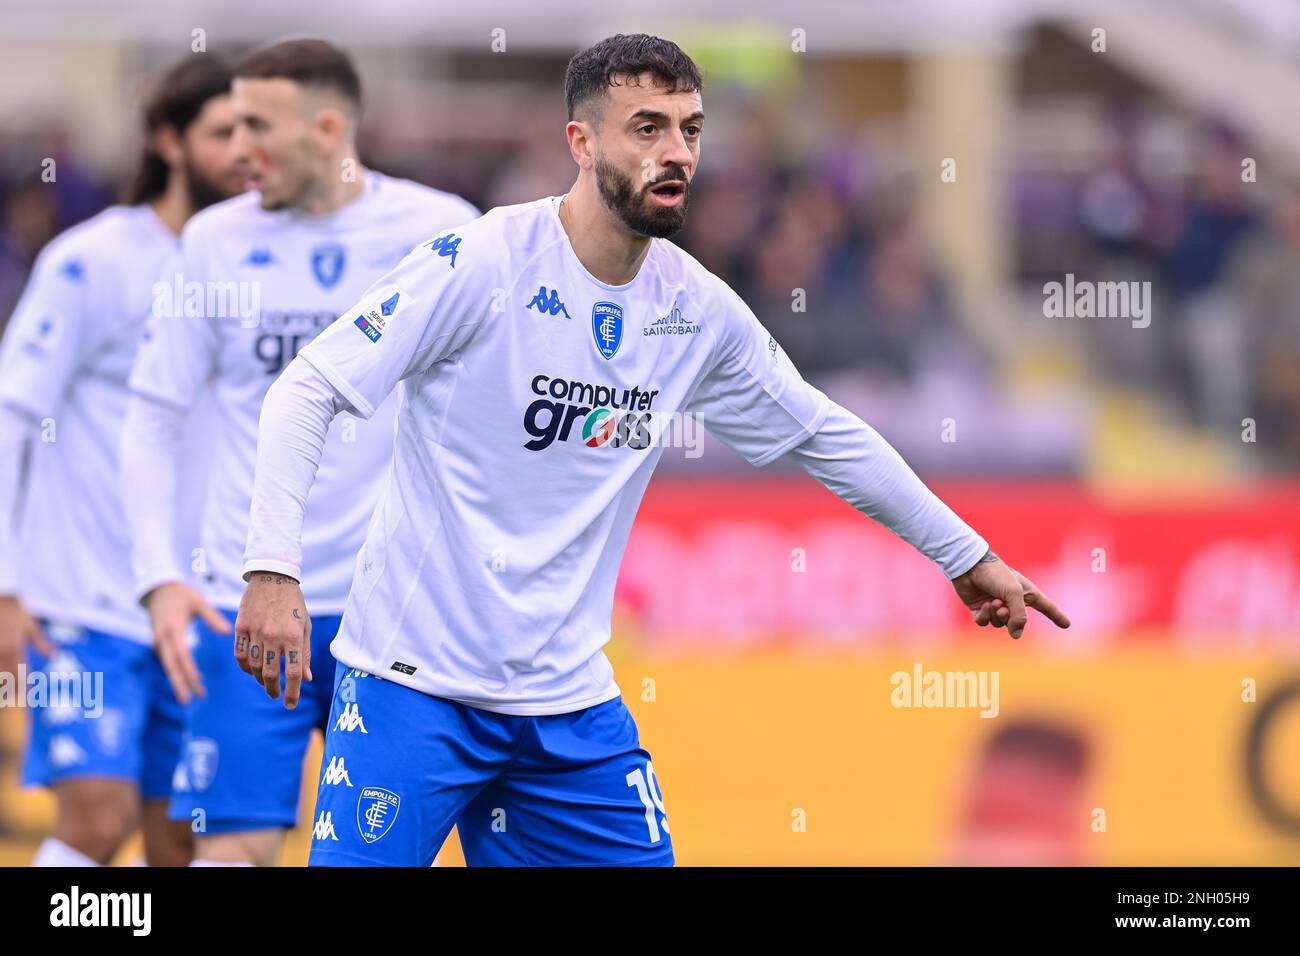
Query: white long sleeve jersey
248, 289
67, 353
534, 400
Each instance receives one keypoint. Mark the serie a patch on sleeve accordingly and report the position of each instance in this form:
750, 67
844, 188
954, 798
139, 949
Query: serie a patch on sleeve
373, 322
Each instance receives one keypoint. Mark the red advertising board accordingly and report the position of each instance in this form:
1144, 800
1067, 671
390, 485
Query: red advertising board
729, 563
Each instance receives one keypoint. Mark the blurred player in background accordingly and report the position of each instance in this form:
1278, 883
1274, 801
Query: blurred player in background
65, 583
1026, 798
275, 267
541, 351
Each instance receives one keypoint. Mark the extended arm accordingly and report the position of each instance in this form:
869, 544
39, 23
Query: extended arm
850, 458
273, 618
295, 420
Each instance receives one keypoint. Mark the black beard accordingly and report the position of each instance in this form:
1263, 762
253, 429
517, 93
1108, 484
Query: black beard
203, 191
635, 209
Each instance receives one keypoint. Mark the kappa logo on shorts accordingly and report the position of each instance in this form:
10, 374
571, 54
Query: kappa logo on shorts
376, 812
110, 730
336, 773
350, 720
64, 751
324, 828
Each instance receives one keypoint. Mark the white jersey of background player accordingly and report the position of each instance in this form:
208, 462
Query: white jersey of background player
63, 393
256, 279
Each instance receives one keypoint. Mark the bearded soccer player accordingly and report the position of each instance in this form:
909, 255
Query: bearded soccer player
65, 587
257, 278
533, 401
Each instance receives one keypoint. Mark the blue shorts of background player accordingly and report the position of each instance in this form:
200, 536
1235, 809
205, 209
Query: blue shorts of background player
401, 767
241, 768
124, 723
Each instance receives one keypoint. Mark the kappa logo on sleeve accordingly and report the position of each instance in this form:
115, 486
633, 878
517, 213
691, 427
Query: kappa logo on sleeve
43, 336
446, 246
373, 322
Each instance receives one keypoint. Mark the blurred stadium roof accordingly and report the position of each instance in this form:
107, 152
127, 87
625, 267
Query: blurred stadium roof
831, 24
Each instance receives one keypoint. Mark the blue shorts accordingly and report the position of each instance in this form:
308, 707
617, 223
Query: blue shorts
401, 767
242, 763
126, 725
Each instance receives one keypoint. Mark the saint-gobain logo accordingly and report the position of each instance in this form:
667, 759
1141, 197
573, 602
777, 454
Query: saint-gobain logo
376, 811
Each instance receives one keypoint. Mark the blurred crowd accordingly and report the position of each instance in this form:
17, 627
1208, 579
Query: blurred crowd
1220, 244
832, 260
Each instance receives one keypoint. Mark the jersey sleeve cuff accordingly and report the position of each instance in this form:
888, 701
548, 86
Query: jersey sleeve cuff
289, 568
152, 582
965, 558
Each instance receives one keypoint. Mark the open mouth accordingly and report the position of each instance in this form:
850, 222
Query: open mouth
669, 193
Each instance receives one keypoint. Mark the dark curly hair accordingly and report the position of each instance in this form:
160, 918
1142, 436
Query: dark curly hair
593, 71
176, 99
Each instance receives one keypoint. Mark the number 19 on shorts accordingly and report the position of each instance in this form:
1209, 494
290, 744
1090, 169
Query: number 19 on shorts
647, 788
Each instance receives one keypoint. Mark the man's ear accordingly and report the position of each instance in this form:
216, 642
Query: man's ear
166, 142
331, 126
581, 146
